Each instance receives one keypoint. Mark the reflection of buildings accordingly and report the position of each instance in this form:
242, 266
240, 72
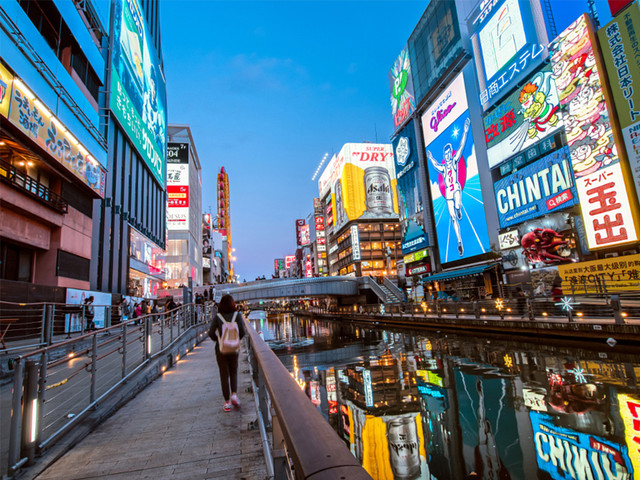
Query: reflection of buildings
184, 213
52, 148
130, 224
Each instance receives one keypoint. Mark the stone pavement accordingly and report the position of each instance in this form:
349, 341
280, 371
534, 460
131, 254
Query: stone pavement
174, 429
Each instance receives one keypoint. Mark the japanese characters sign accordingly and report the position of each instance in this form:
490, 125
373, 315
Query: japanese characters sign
629, 406
29, 114
403, 100
543, 186
524, 118
510, 239
601, 187
458, 207
506, 45
620, 42
6, 82
178, 186
599, 276
137, 90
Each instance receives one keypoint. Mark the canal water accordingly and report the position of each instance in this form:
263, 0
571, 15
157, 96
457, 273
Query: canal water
429, 405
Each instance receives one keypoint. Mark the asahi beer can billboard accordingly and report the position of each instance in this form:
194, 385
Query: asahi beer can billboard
362, 182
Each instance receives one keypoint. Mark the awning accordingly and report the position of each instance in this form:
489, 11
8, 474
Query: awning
465, 272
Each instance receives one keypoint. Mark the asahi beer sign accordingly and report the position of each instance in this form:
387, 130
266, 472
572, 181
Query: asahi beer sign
453, 174
537, 189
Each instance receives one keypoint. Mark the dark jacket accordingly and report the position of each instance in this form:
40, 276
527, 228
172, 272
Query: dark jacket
215, 329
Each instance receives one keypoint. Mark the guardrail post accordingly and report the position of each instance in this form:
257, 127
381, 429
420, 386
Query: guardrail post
147, 338
47, 324
124, 350
16, 414
617, 309
476, 309
94, 364
30, 415
42, 388
107, 317
280, 461
530, 312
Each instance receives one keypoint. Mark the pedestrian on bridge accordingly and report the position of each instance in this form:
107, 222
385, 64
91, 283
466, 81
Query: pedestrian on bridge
228, 317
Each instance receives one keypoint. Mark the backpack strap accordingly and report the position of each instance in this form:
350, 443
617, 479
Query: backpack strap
222, 318
233, 319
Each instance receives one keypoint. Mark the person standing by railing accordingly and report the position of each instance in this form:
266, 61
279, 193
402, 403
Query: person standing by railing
227, 363
89, 314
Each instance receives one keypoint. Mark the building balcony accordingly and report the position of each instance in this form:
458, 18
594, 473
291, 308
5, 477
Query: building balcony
31, 187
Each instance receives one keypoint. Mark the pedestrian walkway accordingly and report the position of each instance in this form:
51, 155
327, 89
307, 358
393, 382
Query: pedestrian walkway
174, 429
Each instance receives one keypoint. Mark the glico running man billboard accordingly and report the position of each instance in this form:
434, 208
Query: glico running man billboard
137, 89
403, 100
409, 192
362, 182
602, 186
458, 207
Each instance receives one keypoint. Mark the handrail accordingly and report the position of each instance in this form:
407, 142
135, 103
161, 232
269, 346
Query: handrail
373, 285
393, 288
321, 455
32, 187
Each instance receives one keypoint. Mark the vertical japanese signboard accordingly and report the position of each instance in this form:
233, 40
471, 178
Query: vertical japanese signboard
602, 190
178, 186
508, 38
403, 100
137, 90
458, 207
620, 43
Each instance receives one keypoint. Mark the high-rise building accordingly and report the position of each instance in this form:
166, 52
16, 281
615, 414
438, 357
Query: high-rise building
130, 223
53, 147
184, 212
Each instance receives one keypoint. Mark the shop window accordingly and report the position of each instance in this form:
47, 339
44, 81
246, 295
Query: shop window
176, 248
16, 262
72, 266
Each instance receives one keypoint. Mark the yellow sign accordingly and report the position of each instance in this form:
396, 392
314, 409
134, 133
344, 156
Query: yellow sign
599, 276
34, 119
416, 256
630, 414
6, 81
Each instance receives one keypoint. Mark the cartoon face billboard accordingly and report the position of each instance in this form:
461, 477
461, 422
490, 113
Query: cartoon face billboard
458, 207
602, 187
524, 118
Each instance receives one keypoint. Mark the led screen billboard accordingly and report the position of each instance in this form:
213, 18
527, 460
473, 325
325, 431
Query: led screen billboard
403, 100
361, 179
178, 186
410, 201
619, 41
137, 90
602, 189
524, 118
542, 187
506, 44
458, 207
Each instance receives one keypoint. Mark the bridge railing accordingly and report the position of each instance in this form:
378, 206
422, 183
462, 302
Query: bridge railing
303, 444
57, 386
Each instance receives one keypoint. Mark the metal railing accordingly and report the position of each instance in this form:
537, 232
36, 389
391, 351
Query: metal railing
57, 386
32, 187
303, 444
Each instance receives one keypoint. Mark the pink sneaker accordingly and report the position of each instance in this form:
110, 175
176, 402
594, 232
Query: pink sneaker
227, 407
235, 401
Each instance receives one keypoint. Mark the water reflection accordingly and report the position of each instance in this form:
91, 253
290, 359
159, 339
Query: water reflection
412, 405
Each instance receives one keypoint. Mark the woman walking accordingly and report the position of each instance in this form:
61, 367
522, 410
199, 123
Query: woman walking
227, 328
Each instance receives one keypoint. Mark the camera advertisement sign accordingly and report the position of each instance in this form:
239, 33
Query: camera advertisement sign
458, 207
524, 118
541, 187
620, 42
602, 191
137, 90
403, 100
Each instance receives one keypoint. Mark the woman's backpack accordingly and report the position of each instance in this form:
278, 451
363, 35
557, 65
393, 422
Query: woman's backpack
229, 340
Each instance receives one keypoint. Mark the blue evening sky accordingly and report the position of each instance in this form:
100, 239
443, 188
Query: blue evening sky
269, 87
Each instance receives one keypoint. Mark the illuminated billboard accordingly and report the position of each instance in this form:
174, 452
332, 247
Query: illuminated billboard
508, 42
524, 118
458, 207
178, 186
137, 90
409, 192
288, 260
33, 119
361, 179
542, 187
619, 43
629, 406
299, 225
562, 452
602, 189
403, 100
619, 274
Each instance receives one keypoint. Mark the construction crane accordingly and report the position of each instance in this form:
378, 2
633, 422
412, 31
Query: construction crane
224, 216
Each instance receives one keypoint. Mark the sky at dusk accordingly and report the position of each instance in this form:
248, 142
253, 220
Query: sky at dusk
269, 87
